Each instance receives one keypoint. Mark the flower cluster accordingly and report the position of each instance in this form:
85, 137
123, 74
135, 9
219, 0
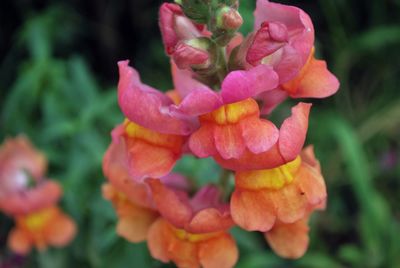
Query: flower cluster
226, 86
30, 199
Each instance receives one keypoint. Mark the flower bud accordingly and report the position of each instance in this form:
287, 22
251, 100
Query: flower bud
229, 19
192, 53
268, 39
175, 26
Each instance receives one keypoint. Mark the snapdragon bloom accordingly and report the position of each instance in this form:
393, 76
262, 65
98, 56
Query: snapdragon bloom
284, 193
31, 199
225, 87
192, 232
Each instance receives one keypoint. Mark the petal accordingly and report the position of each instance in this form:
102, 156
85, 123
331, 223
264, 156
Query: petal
146, 160
250, 161
259, 135
184, 82
201, 142
134, 222
147, 106
60, 231
271, 99
229, 141
157, 240
289, 240
167, 14
293, 132
171, 206
240, 85
316, 82
19, 242
43, 195
252, 210
219, 252
199, 102
210, 220
312, 184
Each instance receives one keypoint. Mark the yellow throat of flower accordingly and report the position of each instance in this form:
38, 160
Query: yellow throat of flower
273, 179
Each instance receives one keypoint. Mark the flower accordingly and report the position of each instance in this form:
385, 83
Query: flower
147, 152
42, 228
285, 193
31, 199
191, 232
239, 140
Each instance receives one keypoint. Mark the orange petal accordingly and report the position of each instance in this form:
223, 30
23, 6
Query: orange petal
157, 240
259, 134
134, 222
209, 220
170, 205
229, 141
19, 242
317, 81
252, 210
219, 252
147, 160
60, 230
201, 142
289, 240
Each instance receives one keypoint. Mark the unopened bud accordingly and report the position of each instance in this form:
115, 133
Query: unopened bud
229, 19
192, 53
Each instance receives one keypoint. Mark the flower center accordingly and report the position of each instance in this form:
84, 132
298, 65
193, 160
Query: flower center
273, 179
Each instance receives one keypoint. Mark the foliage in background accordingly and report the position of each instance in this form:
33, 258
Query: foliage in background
49, 92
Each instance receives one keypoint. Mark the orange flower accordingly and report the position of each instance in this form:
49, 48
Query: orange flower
191, 232
149, 153
167, 243
130, 199
231, 129
239, 139
284, 193
49, 226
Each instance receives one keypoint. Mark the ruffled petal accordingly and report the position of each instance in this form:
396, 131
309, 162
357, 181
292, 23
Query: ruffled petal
157, 240
219, 252
240, 85
210, 220
271, 99
147, 106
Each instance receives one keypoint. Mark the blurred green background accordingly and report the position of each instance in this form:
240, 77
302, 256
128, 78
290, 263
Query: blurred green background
58, 78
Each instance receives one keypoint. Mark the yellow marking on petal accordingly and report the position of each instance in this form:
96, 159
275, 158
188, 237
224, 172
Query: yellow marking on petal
37, 220
134, 130
273, 179
232, 113
193, 238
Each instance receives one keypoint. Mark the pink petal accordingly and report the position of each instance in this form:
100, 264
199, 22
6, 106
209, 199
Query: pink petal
240, 85
201, 142
271, 99
147, 106
199, 102
229, 141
